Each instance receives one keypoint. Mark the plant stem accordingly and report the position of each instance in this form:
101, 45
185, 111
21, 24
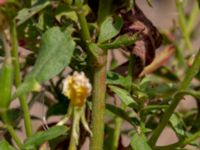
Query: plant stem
176, 99
98, 106
180, 54
117, 130
84, 26
116, 134
11, 129
183, 24
192, 19
72, 143
180, 143
99, 87
118, 120
85, 34
190, 139
168, 147
17, 79
104, 10
6, 86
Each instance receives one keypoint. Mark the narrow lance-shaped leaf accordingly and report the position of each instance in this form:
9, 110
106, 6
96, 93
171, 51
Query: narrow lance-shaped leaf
121, 41
122, 114
124, 96
43, 136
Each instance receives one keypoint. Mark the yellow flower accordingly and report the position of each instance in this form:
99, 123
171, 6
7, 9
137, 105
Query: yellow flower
77, 88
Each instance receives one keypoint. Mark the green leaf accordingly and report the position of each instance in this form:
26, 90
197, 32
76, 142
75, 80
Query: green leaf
29, 85
110, 28
124, 96
117, 79
27, 13
124, 40
4, 145
139, 142
43, 136
122, 114
67, 12
153, 108
177, 125
54, 55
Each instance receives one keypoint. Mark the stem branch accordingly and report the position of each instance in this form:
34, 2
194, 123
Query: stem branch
17, 79
176, 99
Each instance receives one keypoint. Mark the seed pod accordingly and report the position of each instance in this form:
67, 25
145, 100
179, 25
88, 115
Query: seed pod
5, 85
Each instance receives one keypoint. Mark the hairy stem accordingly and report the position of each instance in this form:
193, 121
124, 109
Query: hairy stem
176, 99
17, 79
98, 106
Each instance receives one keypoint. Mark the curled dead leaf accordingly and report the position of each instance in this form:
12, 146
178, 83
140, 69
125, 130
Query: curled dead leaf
149, 39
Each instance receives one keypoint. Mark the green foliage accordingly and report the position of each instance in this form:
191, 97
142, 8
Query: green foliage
4, 145
178, 125
139, 142
50, 40
113, 24
122, 114
124, 96
121, 41
43, 136
6, 80
26, 13
55, 54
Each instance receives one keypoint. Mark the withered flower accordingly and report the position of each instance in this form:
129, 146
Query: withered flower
77, 88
